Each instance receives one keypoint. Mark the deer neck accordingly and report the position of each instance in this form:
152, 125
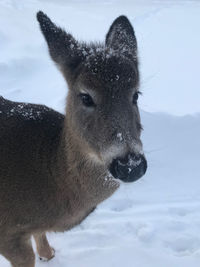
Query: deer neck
86, 177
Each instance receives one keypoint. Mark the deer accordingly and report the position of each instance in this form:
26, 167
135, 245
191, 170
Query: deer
54, 168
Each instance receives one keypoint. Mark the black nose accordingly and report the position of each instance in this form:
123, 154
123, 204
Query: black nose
130, 168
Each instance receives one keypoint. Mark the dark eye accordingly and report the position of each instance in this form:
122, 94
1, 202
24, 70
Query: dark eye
87, 100
135, 98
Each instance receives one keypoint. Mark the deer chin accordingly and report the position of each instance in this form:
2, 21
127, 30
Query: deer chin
111, 180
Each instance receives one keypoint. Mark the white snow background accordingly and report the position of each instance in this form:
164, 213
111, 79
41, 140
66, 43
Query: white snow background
154, 222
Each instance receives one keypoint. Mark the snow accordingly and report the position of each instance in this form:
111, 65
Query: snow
120, 137
156, 220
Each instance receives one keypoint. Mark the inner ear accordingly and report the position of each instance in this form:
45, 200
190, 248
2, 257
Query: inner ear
121, 37
63, 48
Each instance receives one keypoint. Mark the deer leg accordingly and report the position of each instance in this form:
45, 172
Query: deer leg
18, 250
44, 250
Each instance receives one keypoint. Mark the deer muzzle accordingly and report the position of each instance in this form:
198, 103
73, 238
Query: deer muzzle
130, 168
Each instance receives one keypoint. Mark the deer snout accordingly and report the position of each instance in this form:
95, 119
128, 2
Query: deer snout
129, 168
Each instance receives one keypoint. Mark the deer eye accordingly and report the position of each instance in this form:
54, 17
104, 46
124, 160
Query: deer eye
135, 98
87, 100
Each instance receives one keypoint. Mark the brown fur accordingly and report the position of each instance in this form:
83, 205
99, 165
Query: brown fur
52, 167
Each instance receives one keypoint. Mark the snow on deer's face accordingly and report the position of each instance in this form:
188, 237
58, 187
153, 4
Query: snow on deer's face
103, 84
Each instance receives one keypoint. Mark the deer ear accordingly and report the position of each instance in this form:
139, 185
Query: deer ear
63, 48
121, 37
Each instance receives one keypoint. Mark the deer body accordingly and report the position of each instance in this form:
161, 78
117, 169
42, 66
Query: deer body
48, 186
55, 169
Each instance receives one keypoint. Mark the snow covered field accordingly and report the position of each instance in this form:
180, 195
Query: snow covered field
154, 222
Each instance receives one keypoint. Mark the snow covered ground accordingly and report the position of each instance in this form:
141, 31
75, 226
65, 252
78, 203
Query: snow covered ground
155, 221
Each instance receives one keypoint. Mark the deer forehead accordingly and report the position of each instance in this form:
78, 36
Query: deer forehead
101, 75
112, 70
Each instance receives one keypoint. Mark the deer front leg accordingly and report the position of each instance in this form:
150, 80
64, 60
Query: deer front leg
18, 250
44, 250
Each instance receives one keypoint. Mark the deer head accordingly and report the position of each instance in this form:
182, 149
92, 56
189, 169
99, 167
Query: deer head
103, 82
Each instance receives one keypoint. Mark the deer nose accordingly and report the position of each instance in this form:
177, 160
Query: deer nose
130, 168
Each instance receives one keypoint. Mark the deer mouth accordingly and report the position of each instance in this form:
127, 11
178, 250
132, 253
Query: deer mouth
128, 169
